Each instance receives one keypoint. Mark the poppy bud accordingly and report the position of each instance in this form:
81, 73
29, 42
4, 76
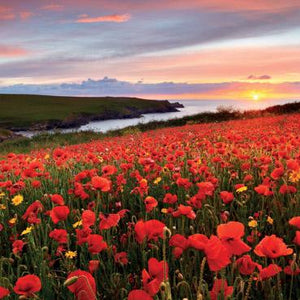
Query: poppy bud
70, 281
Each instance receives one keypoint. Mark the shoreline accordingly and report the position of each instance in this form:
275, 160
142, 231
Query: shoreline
77, 121
11, 132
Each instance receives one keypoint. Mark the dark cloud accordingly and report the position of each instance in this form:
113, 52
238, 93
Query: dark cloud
113, 87
261, 77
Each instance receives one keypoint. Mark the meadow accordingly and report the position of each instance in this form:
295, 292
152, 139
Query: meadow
200, 211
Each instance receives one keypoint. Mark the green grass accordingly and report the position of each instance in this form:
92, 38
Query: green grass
17, 111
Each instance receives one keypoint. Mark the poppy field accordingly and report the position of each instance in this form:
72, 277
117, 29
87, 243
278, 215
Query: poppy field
207, 211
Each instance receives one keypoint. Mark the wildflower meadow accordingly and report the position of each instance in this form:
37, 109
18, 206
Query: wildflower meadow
207, 211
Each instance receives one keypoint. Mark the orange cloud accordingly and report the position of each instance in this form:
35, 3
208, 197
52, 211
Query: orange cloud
109, 18
11, 51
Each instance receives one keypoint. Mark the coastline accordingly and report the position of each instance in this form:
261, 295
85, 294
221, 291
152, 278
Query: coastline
75, 121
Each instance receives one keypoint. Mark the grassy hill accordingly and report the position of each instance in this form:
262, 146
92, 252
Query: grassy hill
45, 112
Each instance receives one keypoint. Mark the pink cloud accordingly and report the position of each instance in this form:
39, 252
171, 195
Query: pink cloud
24, 15
12, 51
214, 5
6, 13
109, 18
54, 7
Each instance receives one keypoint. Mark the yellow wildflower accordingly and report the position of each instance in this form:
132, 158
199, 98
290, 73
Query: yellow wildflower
252, 224
70, 254
2, 207
270, 220
144, 181
2, 195
77, 224
164, 210
157, 180
47, 156
12, 221
27, 230
242, 189
294, 176
17, 200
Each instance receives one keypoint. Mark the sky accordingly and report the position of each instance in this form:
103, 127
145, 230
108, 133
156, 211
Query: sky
170, 49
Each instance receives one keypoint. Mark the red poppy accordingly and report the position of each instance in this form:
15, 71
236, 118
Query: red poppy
183, 182
226, 197
196, 201
217, 254
88, 218
36, 184
230, 234
248, 178
101, 183
296, 240
82, 235
180, 243
5, 292
221, 287
121, 258
111, 220
246, 265
287, 189
57, 199
292, 268
96, 243
198, 241
170, 199
152, 230
277, 173
93, 265
272, 247
84, 287
32, 211
270, 271
206, 187
18, 246
150, 203
295, 221
28, 285
139, 295
152, 278
184, 211
59, 213
59, 235
263, 189
109, 170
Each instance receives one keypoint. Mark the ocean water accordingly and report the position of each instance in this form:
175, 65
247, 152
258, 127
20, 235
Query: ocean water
191, 107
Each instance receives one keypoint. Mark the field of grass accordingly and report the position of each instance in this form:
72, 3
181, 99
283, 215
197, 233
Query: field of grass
24, 111
200, 211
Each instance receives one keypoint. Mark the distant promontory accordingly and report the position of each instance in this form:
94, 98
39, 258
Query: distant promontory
40, 112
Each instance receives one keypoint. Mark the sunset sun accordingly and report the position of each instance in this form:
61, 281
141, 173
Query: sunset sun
255, 97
